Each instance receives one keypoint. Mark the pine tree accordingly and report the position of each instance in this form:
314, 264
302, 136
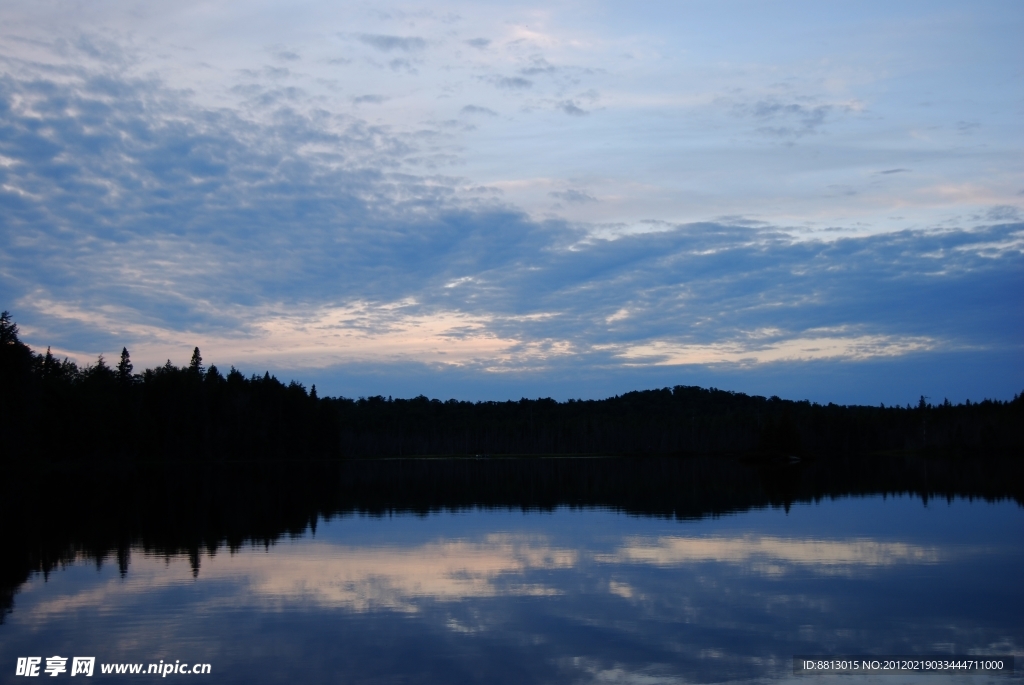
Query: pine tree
100, 373
196, 364
124, 367
49, 363
8, 330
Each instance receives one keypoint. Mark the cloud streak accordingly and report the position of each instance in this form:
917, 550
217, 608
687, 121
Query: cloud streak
391, 43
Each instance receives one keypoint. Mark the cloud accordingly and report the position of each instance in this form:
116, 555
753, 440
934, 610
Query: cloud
788, 119
474, 109
479, 43
100, 48
748, 350
1003, 213
570, 108
390, 43
894, 171
402, 65
261, 96
371, 99
511, 83
538, 66
573, 195
276, 72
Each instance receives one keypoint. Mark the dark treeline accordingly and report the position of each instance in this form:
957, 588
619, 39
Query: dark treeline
53, 409
58, 514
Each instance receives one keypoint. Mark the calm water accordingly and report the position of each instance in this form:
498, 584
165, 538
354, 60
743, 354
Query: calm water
588, 595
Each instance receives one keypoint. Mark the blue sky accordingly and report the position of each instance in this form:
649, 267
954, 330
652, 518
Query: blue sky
488, 201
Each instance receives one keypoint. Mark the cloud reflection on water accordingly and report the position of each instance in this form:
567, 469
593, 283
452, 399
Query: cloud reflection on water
369, 578
398, 578
773, 555
568, 596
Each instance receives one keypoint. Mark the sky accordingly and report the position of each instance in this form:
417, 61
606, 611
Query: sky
488, 201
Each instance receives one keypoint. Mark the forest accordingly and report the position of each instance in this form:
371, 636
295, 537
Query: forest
52, 410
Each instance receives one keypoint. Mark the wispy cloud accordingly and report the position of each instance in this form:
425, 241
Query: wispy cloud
474, 109
538, 66
572, 109
511, 82
787, 119
369, 99
573, 195
391, 43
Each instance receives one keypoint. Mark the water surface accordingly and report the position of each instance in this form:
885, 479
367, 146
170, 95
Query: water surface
569, 594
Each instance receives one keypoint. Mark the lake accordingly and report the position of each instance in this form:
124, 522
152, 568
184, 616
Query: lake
523, 588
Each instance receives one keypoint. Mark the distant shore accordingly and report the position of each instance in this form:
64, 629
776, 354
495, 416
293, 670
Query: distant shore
52, 410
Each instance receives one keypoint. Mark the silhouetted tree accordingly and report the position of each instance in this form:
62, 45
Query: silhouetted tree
100, 371
124, 367
196, 363
16, 364
49, 363
8, 330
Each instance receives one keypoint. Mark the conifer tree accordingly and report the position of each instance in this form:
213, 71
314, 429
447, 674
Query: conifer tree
196, 364
8, 330
100, 373
49, 363
124, 367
